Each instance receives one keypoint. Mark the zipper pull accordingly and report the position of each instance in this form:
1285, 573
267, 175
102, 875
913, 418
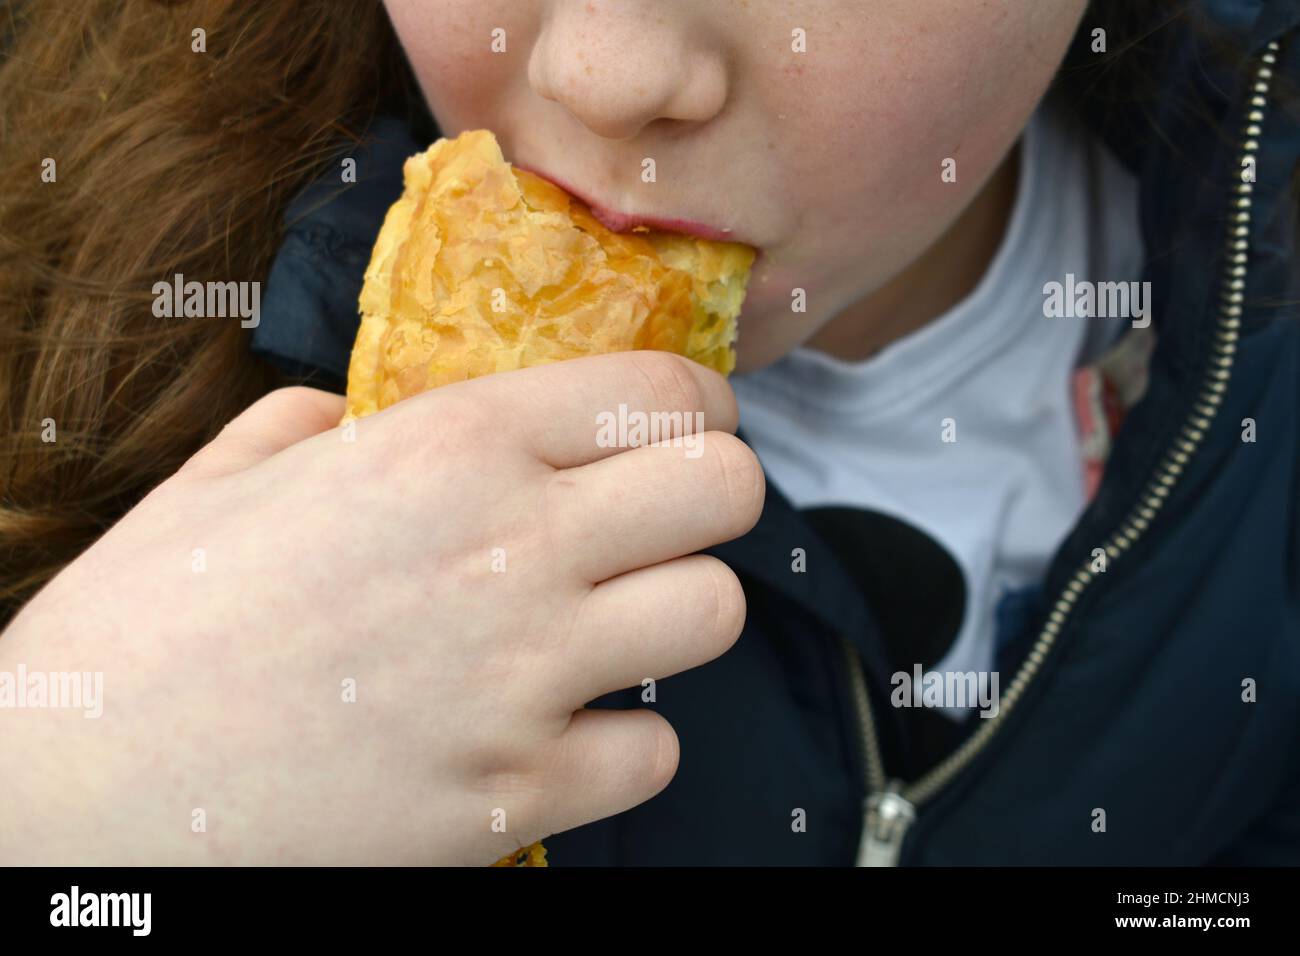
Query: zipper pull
887, 815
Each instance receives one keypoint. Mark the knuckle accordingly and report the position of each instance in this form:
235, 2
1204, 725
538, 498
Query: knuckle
459, 423
216, 456
271, 404
560, 492
454, 416
670, 380
287, 397
291, 402
433, 428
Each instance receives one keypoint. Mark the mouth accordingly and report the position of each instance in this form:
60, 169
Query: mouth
616, 221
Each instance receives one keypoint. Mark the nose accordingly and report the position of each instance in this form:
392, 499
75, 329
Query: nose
619, 65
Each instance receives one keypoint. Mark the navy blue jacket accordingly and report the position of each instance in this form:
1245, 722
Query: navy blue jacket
1128, 683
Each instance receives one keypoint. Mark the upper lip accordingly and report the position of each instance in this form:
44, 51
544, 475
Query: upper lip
616, 221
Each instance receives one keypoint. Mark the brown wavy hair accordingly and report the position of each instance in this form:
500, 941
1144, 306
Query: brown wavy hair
170, 160
167, 160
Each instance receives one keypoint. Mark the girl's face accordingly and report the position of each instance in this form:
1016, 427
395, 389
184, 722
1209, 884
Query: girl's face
816, 131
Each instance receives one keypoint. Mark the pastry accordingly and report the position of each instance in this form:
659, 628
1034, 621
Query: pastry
481, 267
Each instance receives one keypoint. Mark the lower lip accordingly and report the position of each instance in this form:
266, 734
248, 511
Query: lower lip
622, 222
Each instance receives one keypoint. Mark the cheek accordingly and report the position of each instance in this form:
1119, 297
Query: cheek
870, 133
864, 126
450, 45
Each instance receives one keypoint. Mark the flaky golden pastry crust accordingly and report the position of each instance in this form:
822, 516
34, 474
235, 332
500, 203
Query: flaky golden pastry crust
481, 268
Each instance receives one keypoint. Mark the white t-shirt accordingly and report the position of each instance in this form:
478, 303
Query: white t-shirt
870, 434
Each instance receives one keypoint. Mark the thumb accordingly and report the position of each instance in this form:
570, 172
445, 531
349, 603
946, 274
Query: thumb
271, 424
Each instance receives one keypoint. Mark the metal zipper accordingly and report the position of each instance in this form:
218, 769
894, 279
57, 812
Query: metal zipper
890, 806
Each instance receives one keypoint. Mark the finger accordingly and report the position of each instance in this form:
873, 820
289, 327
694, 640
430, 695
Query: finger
566, 413
606, 762
652, 504
653, 623
274, 422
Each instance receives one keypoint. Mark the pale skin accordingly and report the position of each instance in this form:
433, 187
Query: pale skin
372, 561
328, 561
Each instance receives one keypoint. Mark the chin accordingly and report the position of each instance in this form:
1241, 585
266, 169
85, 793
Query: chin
757, 348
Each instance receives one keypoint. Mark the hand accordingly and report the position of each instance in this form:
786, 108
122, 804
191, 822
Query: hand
472, 568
